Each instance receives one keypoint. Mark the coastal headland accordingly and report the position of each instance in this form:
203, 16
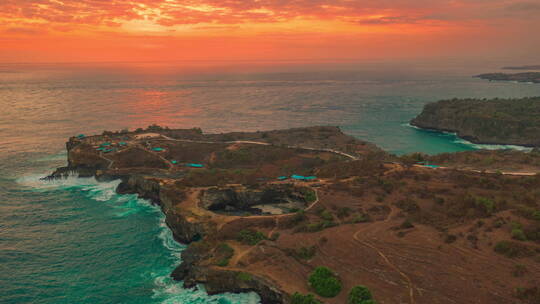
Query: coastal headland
485, 121
262, 210
531, 77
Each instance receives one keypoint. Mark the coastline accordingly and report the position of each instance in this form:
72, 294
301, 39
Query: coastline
471, 141
190, 200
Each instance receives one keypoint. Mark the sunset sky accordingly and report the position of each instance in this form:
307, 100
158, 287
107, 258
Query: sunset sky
161, 30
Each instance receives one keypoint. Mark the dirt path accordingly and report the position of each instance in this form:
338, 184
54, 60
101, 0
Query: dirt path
276, 224
482, 171
380, 225
240, 255
261, 143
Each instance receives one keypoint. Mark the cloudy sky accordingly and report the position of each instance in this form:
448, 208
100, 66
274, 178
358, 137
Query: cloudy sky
160, 30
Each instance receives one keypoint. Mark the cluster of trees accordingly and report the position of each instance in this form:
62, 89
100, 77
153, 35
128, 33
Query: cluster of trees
326, 284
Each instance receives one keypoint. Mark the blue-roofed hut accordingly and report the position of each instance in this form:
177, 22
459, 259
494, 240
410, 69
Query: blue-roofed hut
299, 177
194, 165
282, 178
158, 149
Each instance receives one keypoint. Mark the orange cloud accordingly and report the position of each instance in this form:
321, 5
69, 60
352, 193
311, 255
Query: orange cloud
184, 29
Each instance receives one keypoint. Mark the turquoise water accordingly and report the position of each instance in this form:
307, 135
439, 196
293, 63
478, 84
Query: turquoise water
76, 241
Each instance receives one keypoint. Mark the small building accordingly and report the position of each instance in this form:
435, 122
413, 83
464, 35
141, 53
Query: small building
282, 178
81, 136
195, 165
158, 149
303, 178
174, 162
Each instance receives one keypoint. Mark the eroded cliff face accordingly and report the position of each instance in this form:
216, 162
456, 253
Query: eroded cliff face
485, 122
244, 199
187, 230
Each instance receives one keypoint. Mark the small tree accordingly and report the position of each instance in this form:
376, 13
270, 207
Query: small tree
324, 282
360, 295
298, 298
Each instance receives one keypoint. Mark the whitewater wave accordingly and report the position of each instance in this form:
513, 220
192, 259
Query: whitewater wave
462, 141
166, 290
458, 140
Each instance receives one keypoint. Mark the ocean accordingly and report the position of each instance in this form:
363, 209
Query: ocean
76, 241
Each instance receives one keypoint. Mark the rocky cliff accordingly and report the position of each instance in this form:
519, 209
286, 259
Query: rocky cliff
497, 121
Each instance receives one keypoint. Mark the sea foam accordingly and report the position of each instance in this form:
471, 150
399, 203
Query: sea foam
166, 290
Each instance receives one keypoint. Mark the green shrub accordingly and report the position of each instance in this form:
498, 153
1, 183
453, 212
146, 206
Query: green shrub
318, 226
298, 298
326, 215
487, 205
309, 195
360, 295
223, 262
250, 237
343, 212
518, 234
306, 253
360, 218
324, 282
244, 276
224, 253
275, 236
406, 224
536, 215
299, 217
513, 249
505, 248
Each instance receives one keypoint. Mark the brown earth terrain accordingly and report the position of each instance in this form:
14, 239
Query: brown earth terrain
460, 233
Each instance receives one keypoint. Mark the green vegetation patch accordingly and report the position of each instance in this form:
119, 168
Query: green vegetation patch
325, 282
244, 276
309, 195
360, 295
305, 253
250, 237
224, 253
512, 249
298, 298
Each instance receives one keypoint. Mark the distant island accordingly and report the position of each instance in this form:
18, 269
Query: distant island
523, 67
532, 77
494, 121
312, 215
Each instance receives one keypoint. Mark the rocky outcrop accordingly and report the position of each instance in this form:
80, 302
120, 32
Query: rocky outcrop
219, 280
498, 121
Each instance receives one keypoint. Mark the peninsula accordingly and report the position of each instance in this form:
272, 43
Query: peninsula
494, 121
311, 215
532, 77
523, 67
